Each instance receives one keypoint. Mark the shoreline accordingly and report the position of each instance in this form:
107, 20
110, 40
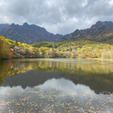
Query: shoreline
80, 59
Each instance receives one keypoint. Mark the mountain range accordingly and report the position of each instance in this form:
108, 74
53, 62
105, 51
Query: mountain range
27, 33
100, 32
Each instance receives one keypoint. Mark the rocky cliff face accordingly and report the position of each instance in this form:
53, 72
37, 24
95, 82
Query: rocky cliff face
28, 33
101, 31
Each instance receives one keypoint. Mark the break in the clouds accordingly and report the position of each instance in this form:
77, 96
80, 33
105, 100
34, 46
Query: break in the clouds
57, 16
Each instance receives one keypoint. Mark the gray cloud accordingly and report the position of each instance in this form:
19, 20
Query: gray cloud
57, 16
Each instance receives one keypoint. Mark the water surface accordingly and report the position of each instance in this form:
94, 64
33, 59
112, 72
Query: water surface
56, 86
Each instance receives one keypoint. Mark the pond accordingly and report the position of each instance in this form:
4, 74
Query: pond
56, 86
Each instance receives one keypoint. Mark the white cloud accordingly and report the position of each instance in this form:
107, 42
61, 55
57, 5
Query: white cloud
110, 2
85, 3
57, 16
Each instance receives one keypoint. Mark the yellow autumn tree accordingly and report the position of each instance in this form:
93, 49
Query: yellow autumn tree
4, 48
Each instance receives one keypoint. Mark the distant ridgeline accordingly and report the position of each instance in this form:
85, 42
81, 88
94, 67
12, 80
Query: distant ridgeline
28, 33
64, 49
100, 32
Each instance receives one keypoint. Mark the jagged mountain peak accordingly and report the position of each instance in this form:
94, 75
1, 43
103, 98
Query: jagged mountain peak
29, 33
107, 24
101, 31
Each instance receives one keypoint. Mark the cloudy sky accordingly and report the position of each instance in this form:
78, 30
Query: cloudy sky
57, 16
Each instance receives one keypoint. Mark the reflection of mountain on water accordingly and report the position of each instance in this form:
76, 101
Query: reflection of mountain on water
55, 95
60, 86
30, 79
66, 87
98, 77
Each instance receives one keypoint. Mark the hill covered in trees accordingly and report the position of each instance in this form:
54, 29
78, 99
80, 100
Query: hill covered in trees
78, 49
66, 49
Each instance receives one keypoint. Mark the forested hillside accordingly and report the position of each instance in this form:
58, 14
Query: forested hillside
66, 49
77, 49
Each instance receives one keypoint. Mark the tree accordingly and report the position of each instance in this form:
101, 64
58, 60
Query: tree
4, 49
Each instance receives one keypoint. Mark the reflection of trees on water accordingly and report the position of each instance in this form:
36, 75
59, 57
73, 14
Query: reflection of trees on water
97, 76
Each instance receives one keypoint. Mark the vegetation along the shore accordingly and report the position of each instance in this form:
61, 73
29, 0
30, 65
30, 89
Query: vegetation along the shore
65, 49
